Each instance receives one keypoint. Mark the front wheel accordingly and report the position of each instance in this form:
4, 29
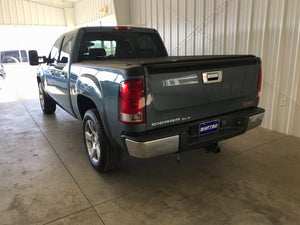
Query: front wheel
47, 104
102, 155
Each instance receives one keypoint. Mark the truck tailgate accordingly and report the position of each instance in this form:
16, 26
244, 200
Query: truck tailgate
184, 91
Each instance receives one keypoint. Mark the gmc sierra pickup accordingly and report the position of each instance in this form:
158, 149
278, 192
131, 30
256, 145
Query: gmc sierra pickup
132, 96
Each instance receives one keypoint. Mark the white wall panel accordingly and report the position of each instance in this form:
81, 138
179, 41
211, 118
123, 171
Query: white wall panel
272, 52
231, 26
160, 18
34, 13
167, 24
182, 41
148, 14
13, 12
199, 27
122, 12
24, 12
269, 29
139, 7
143, 11
174, 28
244, 26
190, 26
20, 12
219, 29
258, 21
89, 10
133, 7
6, 12
70, 17
154, 13
27, 13
1, 13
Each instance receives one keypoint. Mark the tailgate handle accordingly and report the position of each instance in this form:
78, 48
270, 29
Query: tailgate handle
212, 77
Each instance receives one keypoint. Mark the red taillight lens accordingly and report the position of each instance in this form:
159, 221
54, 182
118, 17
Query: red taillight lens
132, 101
122, 28
259, 84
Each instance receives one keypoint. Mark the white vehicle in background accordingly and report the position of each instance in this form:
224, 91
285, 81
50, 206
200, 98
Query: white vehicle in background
16, 66
14, 56
2, 76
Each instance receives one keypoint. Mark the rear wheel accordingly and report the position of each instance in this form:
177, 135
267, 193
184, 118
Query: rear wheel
47, 104
102, 155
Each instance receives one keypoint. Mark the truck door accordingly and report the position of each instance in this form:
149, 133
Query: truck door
61, 73
51, 70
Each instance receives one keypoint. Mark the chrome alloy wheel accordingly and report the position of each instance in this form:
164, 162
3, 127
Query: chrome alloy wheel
92, 141
41, 96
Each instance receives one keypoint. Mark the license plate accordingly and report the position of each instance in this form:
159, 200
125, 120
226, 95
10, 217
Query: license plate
209, 127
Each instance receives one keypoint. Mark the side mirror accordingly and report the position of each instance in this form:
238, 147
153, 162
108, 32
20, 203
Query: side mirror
64, 60
34, 59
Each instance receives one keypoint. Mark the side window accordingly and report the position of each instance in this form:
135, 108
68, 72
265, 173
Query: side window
66, 48
24, 56
54, 54
10, 56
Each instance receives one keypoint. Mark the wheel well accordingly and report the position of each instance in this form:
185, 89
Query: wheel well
84, 104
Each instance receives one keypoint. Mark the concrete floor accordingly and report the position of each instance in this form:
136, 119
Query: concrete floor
45, 176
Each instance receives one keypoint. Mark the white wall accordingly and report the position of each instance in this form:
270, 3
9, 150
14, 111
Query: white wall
89, 10
269, 29
24, 12
122, 11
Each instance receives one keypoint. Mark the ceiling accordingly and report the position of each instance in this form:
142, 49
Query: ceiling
57, 3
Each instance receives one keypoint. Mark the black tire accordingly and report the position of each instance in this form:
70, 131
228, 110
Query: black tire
47, 104
102, 155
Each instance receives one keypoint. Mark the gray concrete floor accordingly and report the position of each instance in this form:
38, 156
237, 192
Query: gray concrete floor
45, 176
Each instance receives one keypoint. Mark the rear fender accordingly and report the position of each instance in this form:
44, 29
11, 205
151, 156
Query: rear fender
88, 86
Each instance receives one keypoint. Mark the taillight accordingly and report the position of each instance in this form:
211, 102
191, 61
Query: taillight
132, 101
122, 28
259, 84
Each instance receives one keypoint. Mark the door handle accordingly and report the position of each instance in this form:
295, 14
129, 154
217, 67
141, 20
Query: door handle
63, 75
212, 77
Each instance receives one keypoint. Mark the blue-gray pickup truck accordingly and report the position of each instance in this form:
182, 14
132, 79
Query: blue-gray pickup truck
132, 96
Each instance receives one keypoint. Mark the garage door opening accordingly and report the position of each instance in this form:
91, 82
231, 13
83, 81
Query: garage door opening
15, 41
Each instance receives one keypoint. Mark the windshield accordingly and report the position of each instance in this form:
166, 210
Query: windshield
120, 45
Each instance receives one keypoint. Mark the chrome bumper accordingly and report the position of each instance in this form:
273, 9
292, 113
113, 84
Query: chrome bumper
153, 148
255, 121
168, 145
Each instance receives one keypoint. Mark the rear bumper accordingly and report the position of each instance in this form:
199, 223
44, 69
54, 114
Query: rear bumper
153, 148
255, 120
184, 137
